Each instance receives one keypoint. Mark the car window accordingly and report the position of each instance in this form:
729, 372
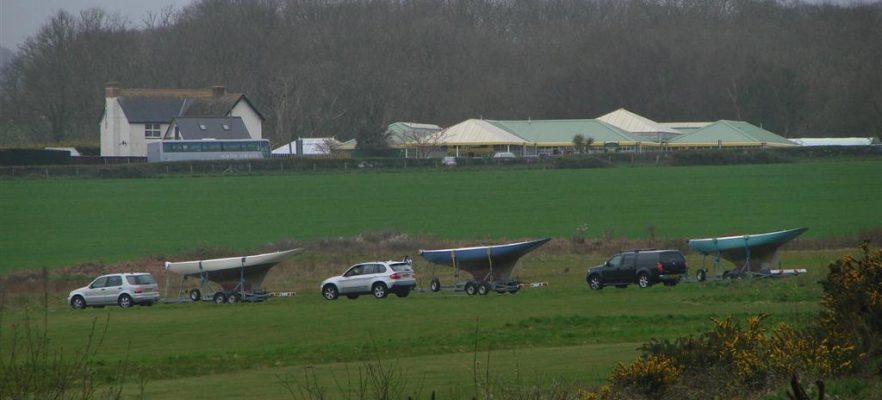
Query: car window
646, 259
356, 270
401, 267
672, 257
99, 283
140, 279
114, 281
377, 268
628, 260
615, 261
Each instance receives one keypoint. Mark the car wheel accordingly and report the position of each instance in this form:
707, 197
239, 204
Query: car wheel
402, 293
78, 303
701, 275
330, 292
379, 290
471, 288
125, 301
483, 288
594, 282
219, 298
643, 280
195, 295
352, 296
435, 285
234, 298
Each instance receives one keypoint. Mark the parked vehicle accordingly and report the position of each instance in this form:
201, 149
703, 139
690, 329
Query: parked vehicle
378, 278
125, 290
643, 267
504, 154
448, 161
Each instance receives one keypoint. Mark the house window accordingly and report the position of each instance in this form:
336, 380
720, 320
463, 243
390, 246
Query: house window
152, 131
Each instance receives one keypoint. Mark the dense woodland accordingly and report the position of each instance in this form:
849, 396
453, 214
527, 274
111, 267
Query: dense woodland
348, 68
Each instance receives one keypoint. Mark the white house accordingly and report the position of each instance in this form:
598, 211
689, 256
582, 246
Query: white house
135, 117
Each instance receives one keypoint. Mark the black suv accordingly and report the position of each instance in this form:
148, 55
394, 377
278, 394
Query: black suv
643, 267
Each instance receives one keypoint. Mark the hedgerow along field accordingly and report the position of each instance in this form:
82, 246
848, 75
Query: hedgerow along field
61, 222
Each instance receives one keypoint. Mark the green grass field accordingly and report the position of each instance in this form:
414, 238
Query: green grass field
562, 332
61, 222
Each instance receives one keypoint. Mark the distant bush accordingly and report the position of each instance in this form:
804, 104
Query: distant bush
580, 162
727, 157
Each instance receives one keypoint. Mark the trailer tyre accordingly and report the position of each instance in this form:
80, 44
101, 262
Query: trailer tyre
435, 285
379, 290
470, 288
220, 298
195, 295
483, 288
701, 275
234, 298
330, 292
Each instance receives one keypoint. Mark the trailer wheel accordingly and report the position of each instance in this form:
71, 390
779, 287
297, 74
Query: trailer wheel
195, 295
701, 275
470, 288
483, 288
435, 285
220, 298
514, 289
234, 298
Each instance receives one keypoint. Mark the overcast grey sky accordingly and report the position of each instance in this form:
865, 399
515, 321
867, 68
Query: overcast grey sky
22, 18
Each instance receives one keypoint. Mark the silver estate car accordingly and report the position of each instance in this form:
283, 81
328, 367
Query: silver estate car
378, 278
125, 290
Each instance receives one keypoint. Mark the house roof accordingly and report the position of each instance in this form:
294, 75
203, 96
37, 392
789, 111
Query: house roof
162, 105
400, 132
474, 132
631, 122
733, 133
196, 128
561, 132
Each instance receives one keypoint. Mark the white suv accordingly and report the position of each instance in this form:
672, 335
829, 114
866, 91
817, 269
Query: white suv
125, 290
378, 278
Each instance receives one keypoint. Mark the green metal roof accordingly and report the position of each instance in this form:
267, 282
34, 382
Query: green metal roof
731, 132
562, 131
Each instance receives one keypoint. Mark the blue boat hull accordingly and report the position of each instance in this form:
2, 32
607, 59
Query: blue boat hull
494, 263
754, 252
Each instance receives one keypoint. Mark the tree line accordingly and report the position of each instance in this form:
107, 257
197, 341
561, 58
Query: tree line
348, 68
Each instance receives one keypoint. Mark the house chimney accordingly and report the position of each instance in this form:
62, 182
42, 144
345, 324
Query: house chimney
111, 89
218, 91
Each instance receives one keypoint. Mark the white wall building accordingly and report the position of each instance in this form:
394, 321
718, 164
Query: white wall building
133, 118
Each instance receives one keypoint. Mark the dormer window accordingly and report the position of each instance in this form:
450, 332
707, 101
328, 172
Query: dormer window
202, 127
226, 126
152, 131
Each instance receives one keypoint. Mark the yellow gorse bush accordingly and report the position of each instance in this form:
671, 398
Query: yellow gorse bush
649, 375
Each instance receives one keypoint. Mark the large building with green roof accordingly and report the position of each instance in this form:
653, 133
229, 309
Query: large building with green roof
730, 134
